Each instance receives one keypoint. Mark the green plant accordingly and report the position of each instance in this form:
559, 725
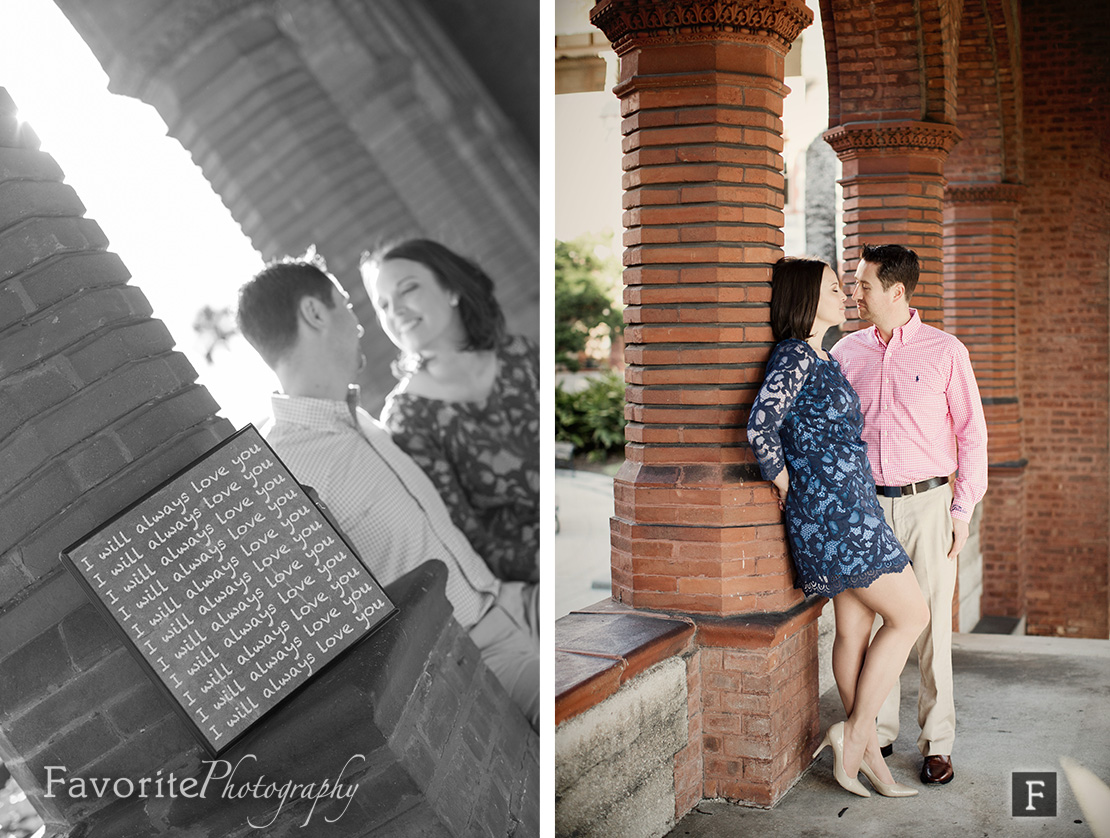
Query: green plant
592, 419
585, 284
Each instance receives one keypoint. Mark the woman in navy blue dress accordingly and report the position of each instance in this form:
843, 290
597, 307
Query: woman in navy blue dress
805, 430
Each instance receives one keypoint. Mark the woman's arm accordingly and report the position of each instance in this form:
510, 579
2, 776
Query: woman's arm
787, 371
782, 483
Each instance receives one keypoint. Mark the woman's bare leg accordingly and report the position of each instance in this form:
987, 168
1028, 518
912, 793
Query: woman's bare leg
853, 632
898, 599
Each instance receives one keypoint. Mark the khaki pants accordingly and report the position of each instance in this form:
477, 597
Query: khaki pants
508, 638
923, 524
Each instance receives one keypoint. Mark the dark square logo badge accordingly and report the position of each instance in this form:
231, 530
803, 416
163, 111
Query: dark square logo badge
1034, 794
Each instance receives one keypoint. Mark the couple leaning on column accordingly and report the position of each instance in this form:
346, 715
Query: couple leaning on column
451, 472
860, 443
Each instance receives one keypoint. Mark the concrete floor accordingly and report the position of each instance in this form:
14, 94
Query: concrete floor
585, 505
1021, 704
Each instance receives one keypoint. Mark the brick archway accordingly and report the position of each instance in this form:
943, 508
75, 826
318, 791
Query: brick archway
343, 125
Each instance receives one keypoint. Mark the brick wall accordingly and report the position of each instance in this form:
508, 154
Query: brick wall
988, 98
892, 110
1024, 255
982, 201
759, 690
980, 302
689, 763
472, 25
1062, 315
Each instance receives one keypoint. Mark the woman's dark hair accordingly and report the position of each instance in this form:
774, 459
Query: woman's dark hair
795, 291
895, 264
481, 314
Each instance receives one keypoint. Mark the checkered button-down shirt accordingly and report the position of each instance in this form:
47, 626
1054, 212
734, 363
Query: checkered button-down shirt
922, 415
384, 503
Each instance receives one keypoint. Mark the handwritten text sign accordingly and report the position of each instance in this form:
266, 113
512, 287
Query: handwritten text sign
231, 585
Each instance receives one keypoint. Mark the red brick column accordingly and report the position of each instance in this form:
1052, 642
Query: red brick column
893, 179
696, 529
980, 255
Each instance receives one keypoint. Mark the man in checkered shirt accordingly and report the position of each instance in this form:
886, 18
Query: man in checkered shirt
922, 421
301, 322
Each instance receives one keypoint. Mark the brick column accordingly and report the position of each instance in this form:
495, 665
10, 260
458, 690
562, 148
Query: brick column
696, 530
95, 409
893, 179
980, 253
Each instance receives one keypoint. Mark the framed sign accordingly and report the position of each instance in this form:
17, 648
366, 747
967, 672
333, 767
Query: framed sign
230, 586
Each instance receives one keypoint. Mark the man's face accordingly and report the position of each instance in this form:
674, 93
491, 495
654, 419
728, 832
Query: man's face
875, 303
343, 332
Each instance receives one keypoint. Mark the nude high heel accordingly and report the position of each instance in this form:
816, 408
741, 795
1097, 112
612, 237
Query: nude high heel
885, 789
834, 738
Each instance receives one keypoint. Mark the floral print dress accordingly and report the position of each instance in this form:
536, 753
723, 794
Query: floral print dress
807, 418
484, 459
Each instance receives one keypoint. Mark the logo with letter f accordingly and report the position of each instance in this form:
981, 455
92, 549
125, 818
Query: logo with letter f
1034, 794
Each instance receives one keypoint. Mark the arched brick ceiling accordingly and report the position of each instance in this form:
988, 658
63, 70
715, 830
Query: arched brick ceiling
891, 60
989, 96
338, 123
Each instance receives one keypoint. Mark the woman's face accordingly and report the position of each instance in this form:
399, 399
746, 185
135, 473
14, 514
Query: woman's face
419, 315
830, 304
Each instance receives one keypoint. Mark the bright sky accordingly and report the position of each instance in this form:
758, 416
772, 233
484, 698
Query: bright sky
161, 217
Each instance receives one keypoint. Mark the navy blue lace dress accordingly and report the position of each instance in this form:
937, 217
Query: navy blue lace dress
807, 417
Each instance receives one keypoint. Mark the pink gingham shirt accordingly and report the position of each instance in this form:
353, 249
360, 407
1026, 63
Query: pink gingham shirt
922, 415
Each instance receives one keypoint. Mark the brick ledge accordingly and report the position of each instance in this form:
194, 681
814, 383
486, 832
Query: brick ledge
599, 648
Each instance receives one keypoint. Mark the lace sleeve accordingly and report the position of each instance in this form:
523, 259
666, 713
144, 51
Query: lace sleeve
787, 370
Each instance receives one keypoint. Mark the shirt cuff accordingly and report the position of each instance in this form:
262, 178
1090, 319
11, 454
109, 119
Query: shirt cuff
961, 512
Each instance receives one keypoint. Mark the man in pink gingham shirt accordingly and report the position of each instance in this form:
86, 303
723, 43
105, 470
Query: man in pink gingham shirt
922, 421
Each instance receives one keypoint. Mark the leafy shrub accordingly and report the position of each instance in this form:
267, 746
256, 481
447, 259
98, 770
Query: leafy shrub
585, 286
593, 418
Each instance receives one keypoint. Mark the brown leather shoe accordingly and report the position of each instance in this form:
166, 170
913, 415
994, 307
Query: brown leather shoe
937, 770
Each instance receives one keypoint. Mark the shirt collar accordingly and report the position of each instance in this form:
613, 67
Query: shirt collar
316, 413
904, 333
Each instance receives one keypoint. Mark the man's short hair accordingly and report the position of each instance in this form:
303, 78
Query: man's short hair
268, 302
896, 264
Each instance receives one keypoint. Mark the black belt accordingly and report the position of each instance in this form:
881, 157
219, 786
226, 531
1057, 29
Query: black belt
912, 489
